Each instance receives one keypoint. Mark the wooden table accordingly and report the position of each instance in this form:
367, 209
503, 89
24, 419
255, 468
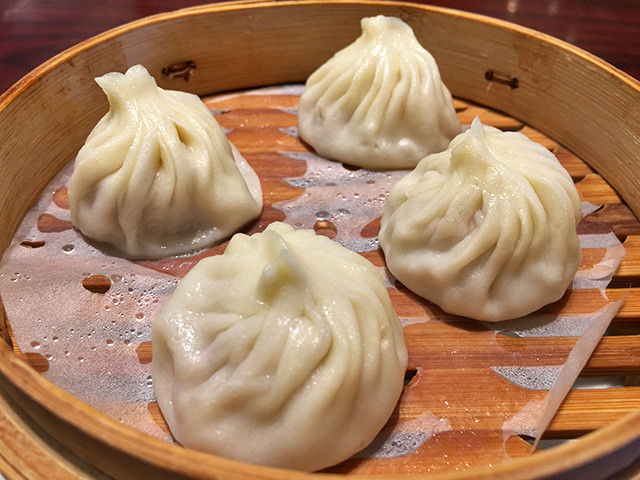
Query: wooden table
32, 32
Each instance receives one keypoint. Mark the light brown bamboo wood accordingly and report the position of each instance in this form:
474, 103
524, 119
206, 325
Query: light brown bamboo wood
630, 266
27, 452
45, 118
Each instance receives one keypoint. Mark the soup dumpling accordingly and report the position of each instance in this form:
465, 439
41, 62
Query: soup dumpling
485, 229
157, 176
380, 102
284, 351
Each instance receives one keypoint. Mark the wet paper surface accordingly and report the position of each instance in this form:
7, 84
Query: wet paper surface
476, 386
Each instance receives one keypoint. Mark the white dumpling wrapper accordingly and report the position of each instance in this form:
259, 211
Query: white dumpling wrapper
380, 102
284, 351
485, 229
157, 176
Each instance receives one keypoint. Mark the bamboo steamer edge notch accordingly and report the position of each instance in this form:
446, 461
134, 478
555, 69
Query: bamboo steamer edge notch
45, 117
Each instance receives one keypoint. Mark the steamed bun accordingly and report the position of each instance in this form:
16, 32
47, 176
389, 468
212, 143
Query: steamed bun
485, 229
379, 103
284, 351
157, 176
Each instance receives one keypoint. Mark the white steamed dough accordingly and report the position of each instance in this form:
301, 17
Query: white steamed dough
485, 229
380, 102
284, 351
157, 176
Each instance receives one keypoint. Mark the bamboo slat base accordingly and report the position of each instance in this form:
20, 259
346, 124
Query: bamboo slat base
260, 126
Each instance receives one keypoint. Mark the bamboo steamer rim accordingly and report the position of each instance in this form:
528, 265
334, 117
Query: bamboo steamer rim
85, 428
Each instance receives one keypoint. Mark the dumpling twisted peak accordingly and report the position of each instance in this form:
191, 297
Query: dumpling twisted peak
283, 351
486, 229
157, 176
380, 102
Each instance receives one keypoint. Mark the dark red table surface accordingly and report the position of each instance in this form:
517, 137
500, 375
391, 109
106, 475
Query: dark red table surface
32, 31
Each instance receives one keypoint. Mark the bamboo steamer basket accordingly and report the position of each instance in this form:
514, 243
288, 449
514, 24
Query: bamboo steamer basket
573, 97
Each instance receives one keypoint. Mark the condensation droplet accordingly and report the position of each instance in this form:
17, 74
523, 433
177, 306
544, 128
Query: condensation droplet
68, 248
35, 344
139, 316
110, 342
323, 215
